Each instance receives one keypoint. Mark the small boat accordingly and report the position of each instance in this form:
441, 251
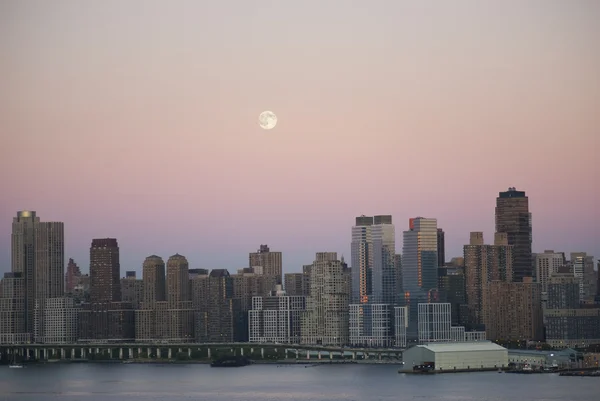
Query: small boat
15, 366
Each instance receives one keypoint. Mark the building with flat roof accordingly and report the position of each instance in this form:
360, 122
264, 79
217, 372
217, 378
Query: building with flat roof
455, 356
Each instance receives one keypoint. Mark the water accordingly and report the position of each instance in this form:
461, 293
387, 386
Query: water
118, 382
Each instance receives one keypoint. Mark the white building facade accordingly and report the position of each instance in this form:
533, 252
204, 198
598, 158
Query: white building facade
400, 325
457, 356
371, 325
56, 321
435, 325
276, 319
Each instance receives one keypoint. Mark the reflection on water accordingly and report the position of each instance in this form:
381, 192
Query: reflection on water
115, 382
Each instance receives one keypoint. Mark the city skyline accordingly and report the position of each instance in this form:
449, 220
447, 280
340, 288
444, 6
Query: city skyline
287, 267
142, 125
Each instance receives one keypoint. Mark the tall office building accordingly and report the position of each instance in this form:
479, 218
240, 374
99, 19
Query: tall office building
269, 262
38, 254
451, 284
484, 264
441, 247
374, 277
419, 268
383, 235
105, 283
23, 255
49, 274
514, 219
362, 260
106, 317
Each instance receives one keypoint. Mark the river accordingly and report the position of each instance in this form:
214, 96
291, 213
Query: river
148, 382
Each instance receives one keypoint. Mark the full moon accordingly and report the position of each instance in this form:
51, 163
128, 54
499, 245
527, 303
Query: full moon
267, 120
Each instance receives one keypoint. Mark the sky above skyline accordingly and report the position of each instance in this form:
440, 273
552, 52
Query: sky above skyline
139, 120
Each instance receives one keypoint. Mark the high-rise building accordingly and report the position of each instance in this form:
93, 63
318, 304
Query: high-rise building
269, 262
514, 219
132, 290
583, 269
362, 260
547, 264
246, 286
178, 280
154, 281
12, 310
179, 310
400, 326
38, 253
483, 264
325, 320
568, 323
106, 317
398, 267
218, 325
49, 274
435, 322
276, 318
23, 256
72, 276
419, 268
441, 247
383, 235
105, 284
374, 281
371, 325
451, 285
516, 308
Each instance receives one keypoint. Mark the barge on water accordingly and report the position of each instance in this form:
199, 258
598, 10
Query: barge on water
230, 362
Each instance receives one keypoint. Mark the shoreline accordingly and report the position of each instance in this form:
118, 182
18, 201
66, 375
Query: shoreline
207, 362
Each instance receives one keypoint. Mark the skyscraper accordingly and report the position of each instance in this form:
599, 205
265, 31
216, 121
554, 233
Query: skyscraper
23, 259
178, 281
441, 244
419, 268
362, 259
49, 260
325, 320
514, 219
179, 313
154, 281
72, 276
383, 235
105, 283
269, 262
484, 264
38, 254
547, 264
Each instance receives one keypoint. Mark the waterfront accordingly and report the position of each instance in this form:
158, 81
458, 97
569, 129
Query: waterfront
134, 382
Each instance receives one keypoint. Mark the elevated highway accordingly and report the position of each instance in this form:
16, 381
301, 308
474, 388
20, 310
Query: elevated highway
181, 350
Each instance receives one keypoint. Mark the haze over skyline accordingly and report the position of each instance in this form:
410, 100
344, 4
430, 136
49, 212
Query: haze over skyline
138, 120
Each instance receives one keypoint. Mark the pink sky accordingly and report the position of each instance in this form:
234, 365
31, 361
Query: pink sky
138, 120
